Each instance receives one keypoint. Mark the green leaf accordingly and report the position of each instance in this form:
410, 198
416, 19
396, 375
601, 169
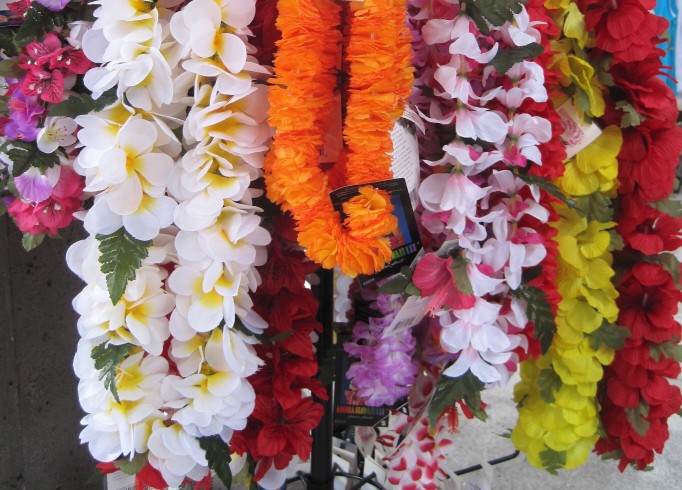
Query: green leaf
25, 155
397, 285
459, 273
608, 335
548, 187
549, 382
616, 241
669, 350
553, 460
400, 283
671, 207
597, 206
497, 12
218, 456
9, 68
7, 44
39, 20
669, 263
582, 100
412, 290
30, 242
616, 454
282, 336
630, 115
132, 467
107, 358
506, 58
83, 104
121, 255
637, 418
539, 312
448, 390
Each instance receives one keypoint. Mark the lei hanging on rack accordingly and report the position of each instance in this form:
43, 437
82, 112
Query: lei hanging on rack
558, 422
302, 100
637, 397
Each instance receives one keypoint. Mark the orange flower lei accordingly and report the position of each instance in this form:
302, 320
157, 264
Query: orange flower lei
301, 103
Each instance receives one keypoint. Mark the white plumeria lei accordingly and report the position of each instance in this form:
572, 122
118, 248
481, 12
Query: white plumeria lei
480, 210
192, 198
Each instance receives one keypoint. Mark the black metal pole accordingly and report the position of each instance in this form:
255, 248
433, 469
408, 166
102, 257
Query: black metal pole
321, 473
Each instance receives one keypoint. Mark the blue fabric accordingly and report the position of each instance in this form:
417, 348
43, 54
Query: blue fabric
668, 9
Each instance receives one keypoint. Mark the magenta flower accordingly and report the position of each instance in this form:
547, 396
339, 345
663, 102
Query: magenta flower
434, 277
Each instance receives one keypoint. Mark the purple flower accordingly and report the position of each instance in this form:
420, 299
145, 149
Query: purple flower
386, 367
35, 186
54, 5
24, 115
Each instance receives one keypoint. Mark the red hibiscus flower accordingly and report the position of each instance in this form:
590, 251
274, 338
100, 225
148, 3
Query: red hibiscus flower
625, 28
648, 230
287, 430
434, 277
648, 302
647, 162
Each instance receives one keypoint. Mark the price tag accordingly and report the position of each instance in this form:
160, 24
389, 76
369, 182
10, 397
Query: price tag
410, 314
577, 136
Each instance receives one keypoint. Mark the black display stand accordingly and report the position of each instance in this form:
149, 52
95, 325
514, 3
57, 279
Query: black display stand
322, 472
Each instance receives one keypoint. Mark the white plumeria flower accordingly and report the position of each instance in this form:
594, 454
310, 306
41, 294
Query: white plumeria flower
235, 236
199, 25
114, 429
239, 121
176, 454
139, 318
132, 167
151, 216
57, 131
218, 399
214, 290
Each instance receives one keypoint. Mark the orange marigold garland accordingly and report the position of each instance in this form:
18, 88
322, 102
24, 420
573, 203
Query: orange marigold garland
302, 100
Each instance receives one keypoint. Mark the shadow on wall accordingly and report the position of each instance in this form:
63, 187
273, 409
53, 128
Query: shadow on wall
39, 410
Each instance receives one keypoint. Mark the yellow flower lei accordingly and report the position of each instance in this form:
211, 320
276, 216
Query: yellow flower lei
302, 99
558, 410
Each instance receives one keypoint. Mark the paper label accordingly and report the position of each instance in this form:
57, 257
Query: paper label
405, 242
365, 438
405, 155
577, 135
120, 481
372, 466
411, 313
349, 407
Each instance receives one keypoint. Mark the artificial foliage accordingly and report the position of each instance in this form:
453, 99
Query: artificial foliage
194, 140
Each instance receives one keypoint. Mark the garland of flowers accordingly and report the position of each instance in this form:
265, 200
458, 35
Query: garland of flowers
38, 186
126, 158
637, 397
480, 188
385, 366
558, 423
301, 102
277, 436
184, 395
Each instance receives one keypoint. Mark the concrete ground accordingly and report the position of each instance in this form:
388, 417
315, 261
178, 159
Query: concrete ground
479, 441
